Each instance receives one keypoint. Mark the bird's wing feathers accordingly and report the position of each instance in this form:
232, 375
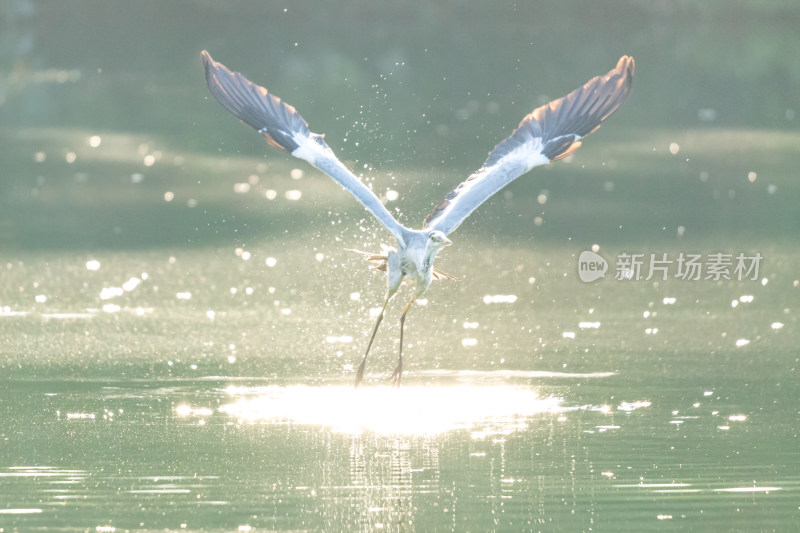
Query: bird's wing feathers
551, 132
285, 129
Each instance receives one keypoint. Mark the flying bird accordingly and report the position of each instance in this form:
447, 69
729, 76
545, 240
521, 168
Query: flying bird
551, 132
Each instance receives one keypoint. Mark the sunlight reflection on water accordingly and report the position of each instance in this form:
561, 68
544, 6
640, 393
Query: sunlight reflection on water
421, 410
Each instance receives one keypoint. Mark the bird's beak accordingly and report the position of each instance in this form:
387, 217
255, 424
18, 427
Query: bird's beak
446, 242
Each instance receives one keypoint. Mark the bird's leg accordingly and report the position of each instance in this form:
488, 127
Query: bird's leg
398, 372
360, 373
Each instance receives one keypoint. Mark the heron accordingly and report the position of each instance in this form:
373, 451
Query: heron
549, 133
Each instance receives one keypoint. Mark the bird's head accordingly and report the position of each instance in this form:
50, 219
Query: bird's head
437, 240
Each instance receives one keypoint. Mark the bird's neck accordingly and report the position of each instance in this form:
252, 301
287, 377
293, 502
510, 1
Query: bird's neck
428, 258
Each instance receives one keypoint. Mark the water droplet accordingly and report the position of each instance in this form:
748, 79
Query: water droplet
110, 292
500, 298
131, 284
293, 195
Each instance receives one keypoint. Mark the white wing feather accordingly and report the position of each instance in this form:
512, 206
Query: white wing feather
285, 129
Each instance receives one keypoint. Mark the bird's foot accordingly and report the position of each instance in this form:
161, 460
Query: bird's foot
360, 373
397, 374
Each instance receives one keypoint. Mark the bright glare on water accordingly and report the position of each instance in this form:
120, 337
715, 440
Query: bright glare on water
412, 410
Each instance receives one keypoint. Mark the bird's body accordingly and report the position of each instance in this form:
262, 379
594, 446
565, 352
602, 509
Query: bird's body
549, 133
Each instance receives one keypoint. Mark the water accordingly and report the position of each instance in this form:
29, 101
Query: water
180, 321
231, 410
214, 454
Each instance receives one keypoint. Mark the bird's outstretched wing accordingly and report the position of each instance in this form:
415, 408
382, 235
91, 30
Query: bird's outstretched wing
550, 132
285, 129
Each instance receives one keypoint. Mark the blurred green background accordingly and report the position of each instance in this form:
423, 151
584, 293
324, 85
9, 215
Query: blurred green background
399, 87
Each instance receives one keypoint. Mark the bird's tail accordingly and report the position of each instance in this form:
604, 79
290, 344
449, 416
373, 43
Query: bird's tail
379, 262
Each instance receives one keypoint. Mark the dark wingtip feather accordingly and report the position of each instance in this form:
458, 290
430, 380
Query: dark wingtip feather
564, 121
555, 130
254, 105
